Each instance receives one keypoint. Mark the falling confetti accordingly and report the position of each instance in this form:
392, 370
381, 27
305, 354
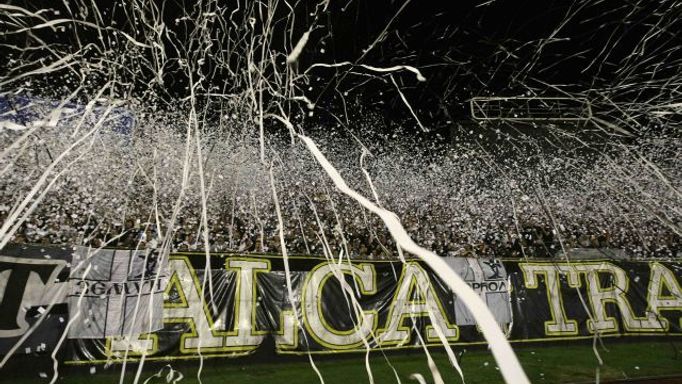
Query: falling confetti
359, 130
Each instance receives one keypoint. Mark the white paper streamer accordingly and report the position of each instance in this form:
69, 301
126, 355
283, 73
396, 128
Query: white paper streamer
504, 355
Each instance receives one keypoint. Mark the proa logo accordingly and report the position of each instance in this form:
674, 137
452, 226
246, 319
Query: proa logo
489, 286
495, 266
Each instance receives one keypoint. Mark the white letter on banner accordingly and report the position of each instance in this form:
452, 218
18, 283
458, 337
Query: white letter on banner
244, 333
314, 319
615, 293
560, 324
663, 277
204, 334
414, 281
286, 337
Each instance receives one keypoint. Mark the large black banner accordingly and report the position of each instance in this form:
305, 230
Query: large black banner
33, 288
247, 302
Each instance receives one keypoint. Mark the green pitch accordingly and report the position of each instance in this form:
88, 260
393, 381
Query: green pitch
543, 364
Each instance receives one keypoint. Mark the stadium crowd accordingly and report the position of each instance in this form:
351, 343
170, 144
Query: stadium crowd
530, 240
322, 226
459, 202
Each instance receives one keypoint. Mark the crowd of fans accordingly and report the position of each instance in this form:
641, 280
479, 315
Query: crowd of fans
458, 202
531, 239
145, 189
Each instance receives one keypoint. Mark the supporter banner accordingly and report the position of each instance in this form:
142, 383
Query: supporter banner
332, 307
244, 304
337, 307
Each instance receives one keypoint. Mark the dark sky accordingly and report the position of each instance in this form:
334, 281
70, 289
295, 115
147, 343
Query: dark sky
507, 48
619, 50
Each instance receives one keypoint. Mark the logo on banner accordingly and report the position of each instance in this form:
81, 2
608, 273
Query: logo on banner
488, 278
495, 267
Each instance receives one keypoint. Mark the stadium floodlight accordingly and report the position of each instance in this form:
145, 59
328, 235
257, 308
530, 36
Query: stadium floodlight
530, 108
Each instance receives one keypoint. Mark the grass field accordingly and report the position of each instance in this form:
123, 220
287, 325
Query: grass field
543, 364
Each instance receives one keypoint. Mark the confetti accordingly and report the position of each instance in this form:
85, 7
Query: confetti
128, 125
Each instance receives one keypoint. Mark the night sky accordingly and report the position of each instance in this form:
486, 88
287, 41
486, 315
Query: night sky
596, 49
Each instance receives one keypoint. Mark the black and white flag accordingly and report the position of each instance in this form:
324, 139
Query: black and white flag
115, 293
488, 278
